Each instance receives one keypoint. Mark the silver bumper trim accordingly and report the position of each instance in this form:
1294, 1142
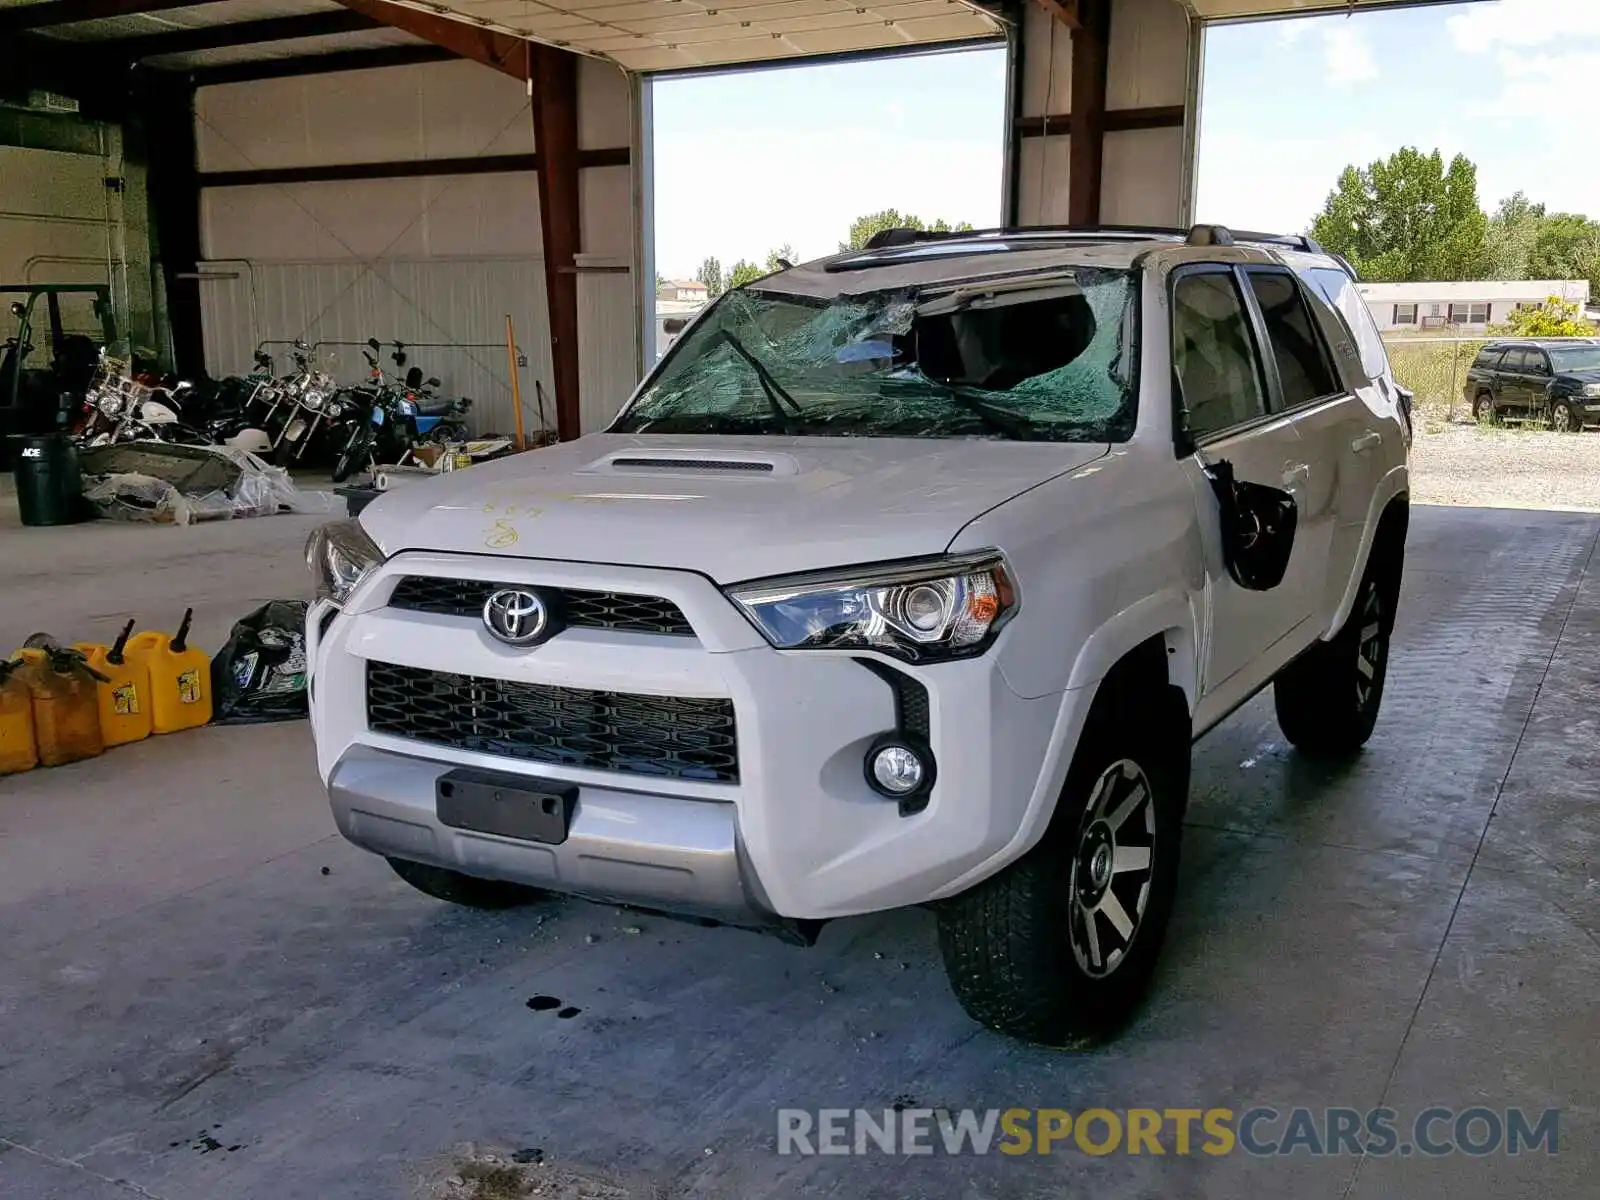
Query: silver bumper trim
681, 856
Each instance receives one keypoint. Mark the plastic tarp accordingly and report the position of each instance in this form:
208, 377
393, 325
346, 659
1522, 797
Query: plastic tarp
178, 485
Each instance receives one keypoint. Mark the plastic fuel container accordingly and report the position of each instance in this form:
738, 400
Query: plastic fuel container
18, 751
66, 705
180, 678
125, 696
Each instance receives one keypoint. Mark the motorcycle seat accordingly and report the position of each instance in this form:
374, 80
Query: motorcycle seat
436, 408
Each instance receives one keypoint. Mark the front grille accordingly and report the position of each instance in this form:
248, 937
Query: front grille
673, 736
588, 610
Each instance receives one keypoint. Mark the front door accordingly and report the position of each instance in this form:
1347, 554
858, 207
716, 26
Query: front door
1223, 388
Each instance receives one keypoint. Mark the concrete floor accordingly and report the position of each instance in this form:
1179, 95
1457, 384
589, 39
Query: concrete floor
205, 993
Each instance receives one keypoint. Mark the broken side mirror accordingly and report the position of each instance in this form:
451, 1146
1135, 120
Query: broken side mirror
1258, 526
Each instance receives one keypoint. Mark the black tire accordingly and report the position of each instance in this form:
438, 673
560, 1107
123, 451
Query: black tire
1483, 409
1565, 417
355, 456
1328, 699
1018, 948
465, 890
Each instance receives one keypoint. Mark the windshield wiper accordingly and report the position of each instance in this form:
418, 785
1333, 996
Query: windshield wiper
998, 419
769, 385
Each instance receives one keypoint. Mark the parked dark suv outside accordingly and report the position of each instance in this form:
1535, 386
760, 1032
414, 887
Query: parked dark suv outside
1557, 379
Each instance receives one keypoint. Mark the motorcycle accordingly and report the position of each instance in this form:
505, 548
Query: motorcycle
120, 407
314, 398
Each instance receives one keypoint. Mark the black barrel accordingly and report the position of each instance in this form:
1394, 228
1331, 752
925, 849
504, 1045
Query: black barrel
49, 487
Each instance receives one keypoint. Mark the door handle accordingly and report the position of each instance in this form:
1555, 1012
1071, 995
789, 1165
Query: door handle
1294, 473
1366, 441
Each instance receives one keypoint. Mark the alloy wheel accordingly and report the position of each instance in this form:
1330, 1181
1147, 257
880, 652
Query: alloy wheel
1112, 868
1370, 647
1561, 419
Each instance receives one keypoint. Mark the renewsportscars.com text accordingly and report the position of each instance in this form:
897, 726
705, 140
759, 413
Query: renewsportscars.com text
1261, 1131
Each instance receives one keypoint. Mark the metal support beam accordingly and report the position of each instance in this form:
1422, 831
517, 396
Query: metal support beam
554, 92
321, 64
1086, 150
482, 164
498, 50
1064, 11
1117, 120
67, 12
243, 33
168, 114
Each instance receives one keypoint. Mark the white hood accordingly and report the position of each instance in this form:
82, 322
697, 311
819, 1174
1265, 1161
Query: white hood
731, 508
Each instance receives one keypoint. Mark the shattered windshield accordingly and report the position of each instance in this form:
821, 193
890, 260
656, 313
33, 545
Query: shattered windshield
1036, 359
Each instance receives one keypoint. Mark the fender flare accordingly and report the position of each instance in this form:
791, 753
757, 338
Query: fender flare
1168, 614
1396, 483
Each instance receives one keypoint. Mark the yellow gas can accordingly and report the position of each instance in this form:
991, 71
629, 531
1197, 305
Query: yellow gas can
180, 678
18, 752
125, 696
66, 706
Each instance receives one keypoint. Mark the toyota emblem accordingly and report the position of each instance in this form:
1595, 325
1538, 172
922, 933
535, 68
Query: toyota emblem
516, 616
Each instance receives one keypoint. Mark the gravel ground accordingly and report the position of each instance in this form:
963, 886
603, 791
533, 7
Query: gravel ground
1506, 468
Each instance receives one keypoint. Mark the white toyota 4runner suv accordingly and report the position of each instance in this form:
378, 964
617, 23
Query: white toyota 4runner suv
908, 576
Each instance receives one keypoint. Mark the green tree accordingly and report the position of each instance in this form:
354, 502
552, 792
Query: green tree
743, 272
1566, 246
1508, 242
1407, 217
784, 252
710, 274
1554, 318
862, 228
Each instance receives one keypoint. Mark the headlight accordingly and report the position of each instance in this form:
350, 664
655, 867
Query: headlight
935, 609
1591, 389
334, 408
340, 554
312, 400
110, 404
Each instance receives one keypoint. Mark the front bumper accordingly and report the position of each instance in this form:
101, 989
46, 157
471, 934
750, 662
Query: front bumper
800, 835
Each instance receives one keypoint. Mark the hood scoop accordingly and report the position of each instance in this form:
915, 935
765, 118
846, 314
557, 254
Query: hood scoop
697, 462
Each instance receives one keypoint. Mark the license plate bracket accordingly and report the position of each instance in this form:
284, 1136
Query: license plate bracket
513, 806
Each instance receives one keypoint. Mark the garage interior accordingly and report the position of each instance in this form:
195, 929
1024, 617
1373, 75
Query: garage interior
206, 992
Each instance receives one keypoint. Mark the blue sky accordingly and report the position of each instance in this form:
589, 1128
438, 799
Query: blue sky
745, 162
1288, 104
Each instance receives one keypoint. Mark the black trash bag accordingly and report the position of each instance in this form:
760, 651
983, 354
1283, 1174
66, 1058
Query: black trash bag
260, 673
1258, 525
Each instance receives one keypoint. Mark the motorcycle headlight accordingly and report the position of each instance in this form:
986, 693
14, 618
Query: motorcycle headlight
110, 404
926, 611
340, 554
312, 400
334, 408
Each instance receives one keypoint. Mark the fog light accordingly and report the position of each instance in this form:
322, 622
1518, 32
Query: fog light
896, 770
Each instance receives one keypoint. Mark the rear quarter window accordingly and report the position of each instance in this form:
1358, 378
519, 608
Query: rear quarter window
1360, 352
1488, 357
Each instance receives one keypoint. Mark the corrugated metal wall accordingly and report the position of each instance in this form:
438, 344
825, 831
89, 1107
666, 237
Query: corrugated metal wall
422, 259
608, 349
417, 301
1144, 177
